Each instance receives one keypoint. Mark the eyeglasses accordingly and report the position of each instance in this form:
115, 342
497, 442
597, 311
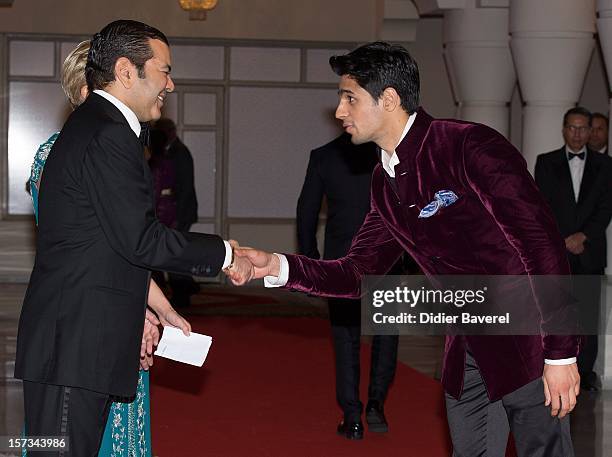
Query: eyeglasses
578, 128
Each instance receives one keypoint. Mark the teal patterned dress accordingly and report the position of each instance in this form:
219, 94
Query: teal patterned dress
128, 429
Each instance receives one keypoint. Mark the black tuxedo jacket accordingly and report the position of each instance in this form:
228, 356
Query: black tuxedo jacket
82, 317
341, 172
590, 214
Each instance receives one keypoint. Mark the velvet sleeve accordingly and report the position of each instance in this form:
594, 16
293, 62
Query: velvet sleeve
498, 174
373, 251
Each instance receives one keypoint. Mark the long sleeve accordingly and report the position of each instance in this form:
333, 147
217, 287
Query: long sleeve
373, 252
498, 174
308, 207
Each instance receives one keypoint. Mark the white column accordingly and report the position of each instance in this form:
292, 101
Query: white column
552, 42
604, 28
479, 62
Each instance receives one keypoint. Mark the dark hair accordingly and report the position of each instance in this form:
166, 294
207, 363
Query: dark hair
165, 124
578, 111
601, 116
158, 141
121, 38
379, 65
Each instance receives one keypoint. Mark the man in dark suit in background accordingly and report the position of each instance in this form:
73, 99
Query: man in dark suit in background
576, 181
341, 172
82, 319
598, 140
182, 286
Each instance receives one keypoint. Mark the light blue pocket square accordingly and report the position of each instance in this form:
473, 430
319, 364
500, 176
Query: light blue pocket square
442, 199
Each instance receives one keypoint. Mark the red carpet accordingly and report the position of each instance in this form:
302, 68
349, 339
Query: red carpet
267, 389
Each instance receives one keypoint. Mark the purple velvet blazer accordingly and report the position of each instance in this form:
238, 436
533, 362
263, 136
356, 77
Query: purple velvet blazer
500, 225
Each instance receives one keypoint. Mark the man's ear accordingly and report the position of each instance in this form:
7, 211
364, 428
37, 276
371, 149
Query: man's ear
125, 72
390, 99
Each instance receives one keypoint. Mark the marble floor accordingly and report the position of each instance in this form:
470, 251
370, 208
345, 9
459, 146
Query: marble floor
591, 421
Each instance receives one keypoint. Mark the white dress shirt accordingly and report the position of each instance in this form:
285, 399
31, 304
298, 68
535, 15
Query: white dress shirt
576, 166
134, 124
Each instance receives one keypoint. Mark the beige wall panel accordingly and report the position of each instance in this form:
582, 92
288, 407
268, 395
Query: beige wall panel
203, 228
197, 62
265, 64
36, 110
322, 20
203, 149
199, 109
272, 131
317, 67
275, 237
170, 109
31, 58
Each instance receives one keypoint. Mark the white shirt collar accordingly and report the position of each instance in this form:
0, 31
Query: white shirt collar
127, 113
390, 160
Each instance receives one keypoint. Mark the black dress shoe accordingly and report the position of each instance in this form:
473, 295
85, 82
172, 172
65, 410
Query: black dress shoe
351, 430
375, 417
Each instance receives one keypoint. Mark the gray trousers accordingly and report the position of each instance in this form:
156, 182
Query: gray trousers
479, 427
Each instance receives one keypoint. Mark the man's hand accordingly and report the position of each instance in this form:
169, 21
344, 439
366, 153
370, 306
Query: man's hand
561, 387
241, 271
575, 243
150, 338
264, 263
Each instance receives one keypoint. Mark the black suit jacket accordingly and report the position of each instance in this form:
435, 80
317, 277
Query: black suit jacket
83, 313
341, 172
590, 215
186, 201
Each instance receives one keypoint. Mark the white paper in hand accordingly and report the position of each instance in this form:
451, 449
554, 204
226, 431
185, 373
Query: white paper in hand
191, 349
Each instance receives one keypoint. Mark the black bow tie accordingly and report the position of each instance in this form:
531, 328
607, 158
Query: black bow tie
571, 155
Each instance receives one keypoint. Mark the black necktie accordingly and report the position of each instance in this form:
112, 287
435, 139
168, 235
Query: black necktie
571, 155
144, 133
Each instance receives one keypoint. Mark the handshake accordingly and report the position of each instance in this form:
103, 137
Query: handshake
249, 264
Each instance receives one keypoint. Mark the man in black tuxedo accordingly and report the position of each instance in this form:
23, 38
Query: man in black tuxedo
576, 181
341, 172
82, 319
183, 286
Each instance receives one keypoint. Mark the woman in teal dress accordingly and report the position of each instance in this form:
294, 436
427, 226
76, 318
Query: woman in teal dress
128, 429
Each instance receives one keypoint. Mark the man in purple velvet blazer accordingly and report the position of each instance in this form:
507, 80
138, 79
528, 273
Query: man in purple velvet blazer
500, 225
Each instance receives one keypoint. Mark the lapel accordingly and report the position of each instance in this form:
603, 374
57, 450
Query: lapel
588, 177
564, 178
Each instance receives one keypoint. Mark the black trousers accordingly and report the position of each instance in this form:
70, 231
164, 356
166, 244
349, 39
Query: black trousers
346, 332
54, 411
586, 288
479, 427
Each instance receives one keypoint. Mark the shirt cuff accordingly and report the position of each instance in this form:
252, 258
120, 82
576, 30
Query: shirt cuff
283, 275
560, 361
228, 255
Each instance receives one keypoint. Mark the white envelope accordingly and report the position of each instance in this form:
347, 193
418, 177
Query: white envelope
191, 349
